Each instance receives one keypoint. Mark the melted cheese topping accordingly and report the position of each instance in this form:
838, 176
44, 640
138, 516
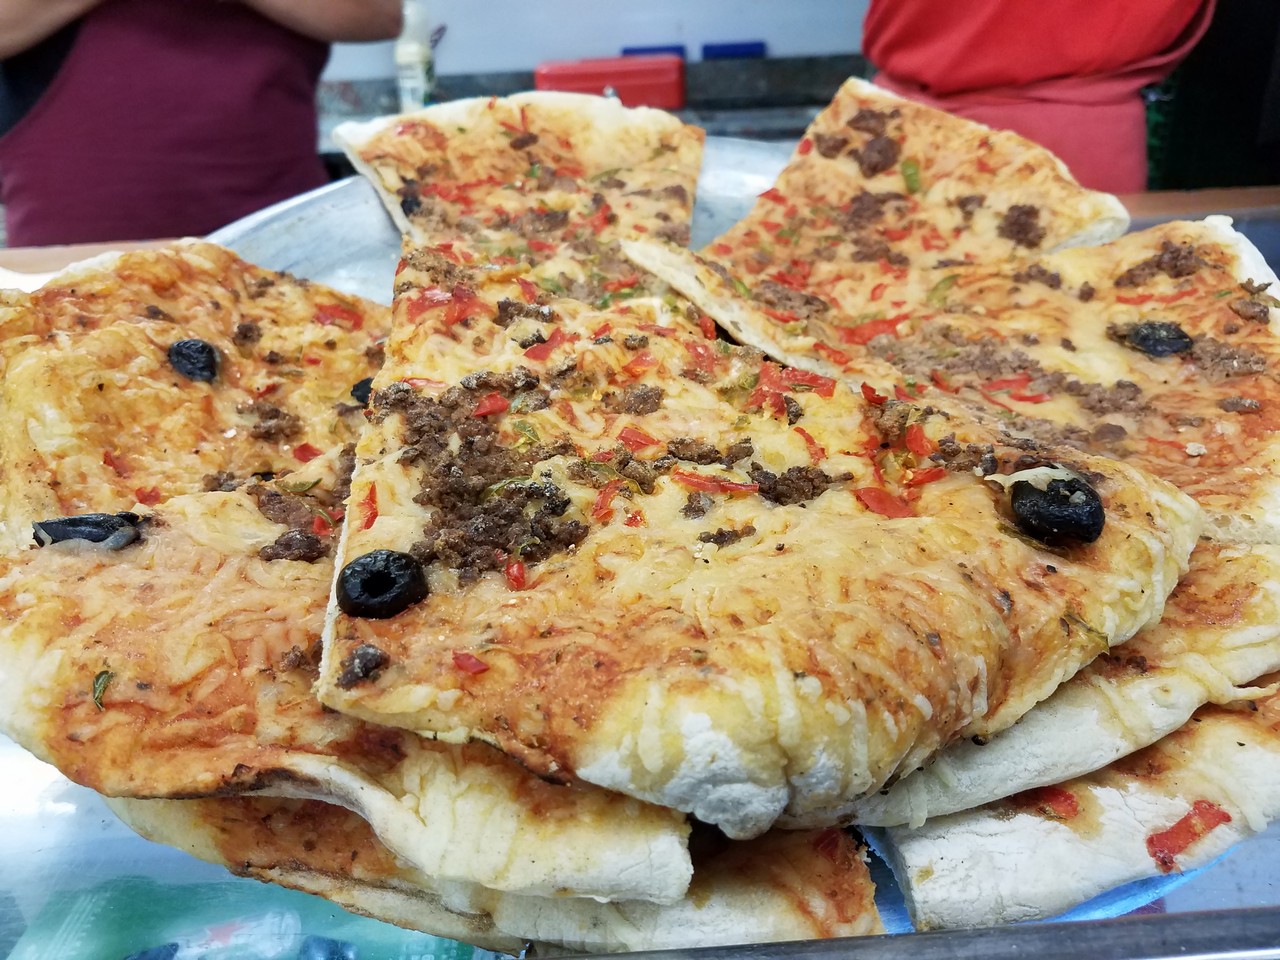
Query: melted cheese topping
789, 668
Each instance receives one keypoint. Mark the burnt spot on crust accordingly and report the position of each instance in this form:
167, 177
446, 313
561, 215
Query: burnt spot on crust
295, 545
696, 505
726, 536
793, 485
272, 423
365, 662
1021, 224
638, 398
1240, 405
1173, 260
1038, 274
879, 154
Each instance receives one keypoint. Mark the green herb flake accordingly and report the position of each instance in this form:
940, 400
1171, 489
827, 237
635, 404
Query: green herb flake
299, 487
937, 295
526, 430
604, 174
100, 684
534, 171
1222, 293
911, 175
552, 286
742, 288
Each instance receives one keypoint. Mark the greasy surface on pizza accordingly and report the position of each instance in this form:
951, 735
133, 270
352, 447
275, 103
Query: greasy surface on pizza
664, 565
181, 665
1155, 348
547, 179
98, 418
1220, 630
1176, 805
880, 188
783, 886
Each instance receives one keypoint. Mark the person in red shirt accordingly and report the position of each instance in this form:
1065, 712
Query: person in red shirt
137, 119
1064, 73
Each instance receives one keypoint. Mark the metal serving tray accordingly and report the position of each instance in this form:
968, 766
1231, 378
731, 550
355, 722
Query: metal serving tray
78, 884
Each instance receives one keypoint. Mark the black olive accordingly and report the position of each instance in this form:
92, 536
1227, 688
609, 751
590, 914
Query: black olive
381, 584
112, 530
1065, 511
410, 204
1156, 338
194, 359
362, 391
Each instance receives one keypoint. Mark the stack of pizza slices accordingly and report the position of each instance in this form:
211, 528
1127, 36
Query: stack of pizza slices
541, 610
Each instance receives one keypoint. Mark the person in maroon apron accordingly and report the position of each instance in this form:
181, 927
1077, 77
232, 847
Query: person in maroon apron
164, 118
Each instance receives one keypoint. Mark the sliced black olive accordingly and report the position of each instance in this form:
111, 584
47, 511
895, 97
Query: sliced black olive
194, 359
1065, 511
1155, 338
362, 391
112, 530
381, 584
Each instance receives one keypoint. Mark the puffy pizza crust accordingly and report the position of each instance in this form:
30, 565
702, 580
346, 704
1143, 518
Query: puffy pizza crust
786, 886
1221, 629
1176, 805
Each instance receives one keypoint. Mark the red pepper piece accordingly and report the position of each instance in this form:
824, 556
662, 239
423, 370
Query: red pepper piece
541, 351
541, 246
1015, 382
866, 332
831, 353
305, 452
707, 326
116, 463
883, 502
872, 397
1050, 801
816, 452
369, 507
920, 477
1164, 845
469, 662
804, 147
625, 283
699, 481
517, 574
774, 194
822, 386
637, 365
527, 289
149, 497
918, 441
330, 313
878, 291
491, 403
634, 439
634, 519
602, 509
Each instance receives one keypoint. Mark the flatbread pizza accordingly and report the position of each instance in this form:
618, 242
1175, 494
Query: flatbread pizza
545, 478
1174, 806
783, 886
1220, 631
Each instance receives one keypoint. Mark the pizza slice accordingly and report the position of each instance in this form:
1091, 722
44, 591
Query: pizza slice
628, 554
548, 179
1220, 630
1176, 805
157, 373
783, 886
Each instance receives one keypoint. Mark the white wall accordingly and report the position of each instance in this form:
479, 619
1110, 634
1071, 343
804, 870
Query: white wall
499, 35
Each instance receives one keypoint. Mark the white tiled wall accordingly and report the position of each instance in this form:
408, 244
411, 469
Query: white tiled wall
500, 35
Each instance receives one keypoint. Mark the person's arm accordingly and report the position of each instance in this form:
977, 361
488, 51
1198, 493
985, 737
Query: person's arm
334, 20
24, 23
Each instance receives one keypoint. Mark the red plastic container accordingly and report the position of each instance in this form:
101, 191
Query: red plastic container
656, 81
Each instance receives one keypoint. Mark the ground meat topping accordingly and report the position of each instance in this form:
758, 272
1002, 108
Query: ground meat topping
247, 332
1109, 432
221, 482
970, 204
509, 311
726, 536
1251, 310
1021, 224
829, 145
793, 408
870, 249
439, 269
638, 398
1221, 360
1174, 260
890, 419
871, 121
878, 155
295, 545
523, 141
1038, 274
273, 423
738, 450
364, 663
1123, 396
286, 508
677, 233
696, 505
344, 468
635, 341
964, 459
805, 306
865, 209
1240, 405
693, 451
794, 485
